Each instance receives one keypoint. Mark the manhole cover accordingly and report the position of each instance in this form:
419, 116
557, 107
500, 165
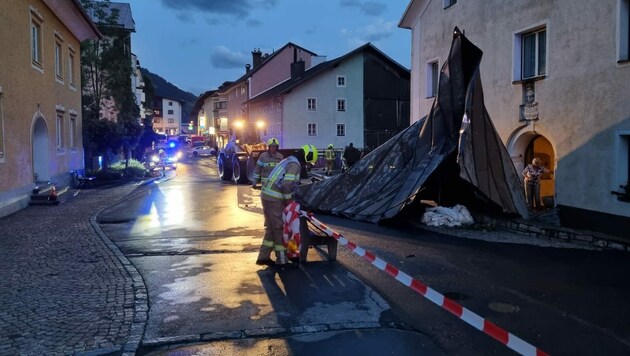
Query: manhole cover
503, 307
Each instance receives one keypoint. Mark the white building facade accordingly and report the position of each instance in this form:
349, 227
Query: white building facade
168, 119
556, 78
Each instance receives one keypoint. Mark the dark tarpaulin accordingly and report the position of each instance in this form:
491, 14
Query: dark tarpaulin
442, 156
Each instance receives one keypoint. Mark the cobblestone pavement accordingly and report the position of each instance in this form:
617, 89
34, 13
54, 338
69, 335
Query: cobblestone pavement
65, 288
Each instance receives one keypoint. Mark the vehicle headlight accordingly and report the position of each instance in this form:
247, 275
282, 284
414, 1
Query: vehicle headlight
179, 154
155, 158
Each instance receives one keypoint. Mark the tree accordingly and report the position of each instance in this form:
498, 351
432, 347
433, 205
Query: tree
106, 82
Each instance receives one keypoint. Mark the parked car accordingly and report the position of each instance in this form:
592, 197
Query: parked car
201, 151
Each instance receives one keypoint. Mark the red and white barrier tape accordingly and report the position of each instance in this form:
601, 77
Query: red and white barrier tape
510, 340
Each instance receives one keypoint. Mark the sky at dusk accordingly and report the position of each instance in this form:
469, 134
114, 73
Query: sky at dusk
199, 44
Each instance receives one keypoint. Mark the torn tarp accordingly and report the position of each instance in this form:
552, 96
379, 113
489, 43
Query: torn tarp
441, 157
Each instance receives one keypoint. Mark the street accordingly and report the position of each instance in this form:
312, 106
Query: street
194, 240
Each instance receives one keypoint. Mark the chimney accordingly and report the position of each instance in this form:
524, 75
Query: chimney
248, 67
256, 57
297, 69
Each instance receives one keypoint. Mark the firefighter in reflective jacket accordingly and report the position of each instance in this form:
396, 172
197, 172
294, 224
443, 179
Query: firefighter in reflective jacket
329, 153
277, 193
266, 162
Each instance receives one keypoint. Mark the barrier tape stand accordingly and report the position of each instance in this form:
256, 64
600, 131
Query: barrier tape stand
508, 339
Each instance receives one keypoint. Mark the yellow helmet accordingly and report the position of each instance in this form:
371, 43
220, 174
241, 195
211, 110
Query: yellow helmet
273, 141
331, 146
310, 153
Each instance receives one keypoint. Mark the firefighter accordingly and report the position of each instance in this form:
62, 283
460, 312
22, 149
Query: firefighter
267, 161
276, 193
329, 153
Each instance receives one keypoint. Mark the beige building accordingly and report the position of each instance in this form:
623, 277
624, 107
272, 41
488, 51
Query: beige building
40, 95
556, 77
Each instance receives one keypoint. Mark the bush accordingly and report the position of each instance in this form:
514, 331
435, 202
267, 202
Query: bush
134, 169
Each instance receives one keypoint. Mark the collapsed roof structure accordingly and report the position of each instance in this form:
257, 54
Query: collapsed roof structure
453, 155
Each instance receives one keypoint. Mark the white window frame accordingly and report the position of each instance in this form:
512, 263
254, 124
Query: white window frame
59, 131
343, 129
170, 112
341, 105
1, 126
341, 81
311, 129
170, 103
58, 52
37, 48
171, 121
517, 51
312, 101
71, 67
73, 131
623, 31
432, 78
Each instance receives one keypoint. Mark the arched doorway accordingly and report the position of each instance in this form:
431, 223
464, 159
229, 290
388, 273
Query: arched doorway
524, 145
40, 143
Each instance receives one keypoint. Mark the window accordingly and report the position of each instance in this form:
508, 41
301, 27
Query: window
170, 103
448, 3
170, 112
58, 59
71, 66
433, 76
59, 131
36, 39
312, 129
624, 31
73, 131
341, 104
171, 121
534, 54
341, 80
1, 126
311, 104
622, 166
341, 129
243, 90
157, 120
220, 105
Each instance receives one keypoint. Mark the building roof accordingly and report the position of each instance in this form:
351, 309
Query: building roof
288, 85
72, 14
124, 20
265, 59
200, 101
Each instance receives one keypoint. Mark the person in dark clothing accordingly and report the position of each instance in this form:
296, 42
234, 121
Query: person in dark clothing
351, 154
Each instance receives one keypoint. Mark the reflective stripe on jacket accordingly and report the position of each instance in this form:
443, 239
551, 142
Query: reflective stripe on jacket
265, 164
283, 180
329, 153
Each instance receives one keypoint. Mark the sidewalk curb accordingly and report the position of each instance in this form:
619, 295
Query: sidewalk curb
141, 299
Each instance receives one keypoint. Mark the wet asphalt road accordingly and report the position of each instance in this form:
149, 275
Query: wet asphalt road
194, 239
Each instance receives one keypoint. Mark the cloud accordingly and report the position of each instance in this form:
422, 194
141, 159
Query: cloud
373, 32
254, 23
370, 8
223, 57
236, 8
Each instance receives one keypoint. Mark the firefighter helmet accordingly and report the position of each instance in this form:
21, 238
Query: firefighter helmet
310, 153
331, 146
273, 141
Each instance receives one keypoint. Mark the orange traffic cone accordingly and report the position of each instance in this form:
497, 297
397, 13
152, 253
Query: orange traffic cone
53, 194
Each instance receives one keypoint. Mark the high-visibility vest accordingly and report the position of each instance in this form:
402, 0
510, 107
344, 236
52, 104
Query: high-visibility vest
329, 153
265, 164
283, 180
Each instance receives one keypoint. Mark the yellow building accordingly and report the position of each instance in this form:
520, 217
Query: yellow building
40, 95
